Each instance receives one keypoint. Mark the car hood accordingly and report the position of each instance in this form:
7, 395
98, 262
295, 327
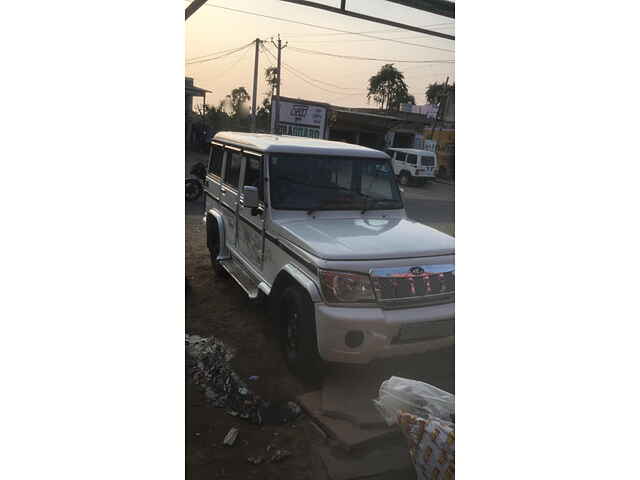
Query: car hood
359, 239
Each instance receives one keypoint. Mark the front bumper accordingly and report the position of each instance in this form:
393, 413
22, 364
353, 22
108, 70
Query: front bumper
381, 329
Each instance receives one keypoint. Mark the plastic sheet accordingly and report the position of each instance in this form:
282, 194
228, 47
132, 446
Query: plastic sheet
402, 395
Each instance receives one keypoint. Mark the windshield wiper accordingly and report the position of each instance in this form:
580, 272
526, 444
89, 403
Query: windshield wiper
318, 206
368, 203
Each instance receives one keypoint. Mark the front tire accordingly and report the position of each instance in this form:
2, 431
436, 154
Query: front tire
214, 251
405, 178
298, 333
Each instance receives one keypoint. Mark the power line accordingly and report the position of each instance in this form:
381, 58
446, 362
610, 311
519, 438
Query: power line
324, 28
244, 56
221, 56
321, 81
317, 86
310, 80
385, 30
351, 57
344, 41
214, 53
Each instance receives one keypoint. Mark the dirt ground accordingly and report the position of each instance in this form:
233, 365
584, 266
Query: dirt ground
219, 307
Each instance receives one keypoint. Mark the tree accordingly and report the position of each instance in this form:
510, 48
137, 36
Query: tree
388, 88
263, 115
238, 97
436, 91
271, 76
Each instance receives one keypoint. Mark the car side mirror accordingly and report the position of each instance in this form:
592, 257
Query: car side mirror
250, 197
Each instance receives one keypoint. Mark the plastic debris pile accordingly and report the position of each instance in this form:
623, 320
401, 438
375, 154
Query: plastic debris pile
208, 363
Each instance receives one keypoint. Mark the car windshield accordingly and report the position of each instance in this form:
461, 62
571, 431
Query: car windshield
316, 182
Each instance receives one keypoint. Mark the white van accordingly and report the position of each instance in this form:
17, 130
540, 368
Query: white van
412, 165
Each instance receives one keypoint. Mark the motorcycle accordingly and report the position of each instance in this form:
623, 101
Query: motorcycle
193, 186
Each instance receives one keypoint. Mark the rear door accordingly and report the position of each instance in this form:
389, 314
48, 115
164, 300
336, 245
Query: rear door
251, 222
214, 176
229, 193
398, 162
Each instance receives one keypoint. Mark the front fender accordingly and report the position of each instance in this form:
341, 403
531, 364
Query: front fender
305, 281
214, 215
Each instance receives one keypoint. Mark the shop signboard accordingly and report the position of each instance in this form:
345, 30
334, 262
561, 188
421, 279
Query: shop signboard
301, 118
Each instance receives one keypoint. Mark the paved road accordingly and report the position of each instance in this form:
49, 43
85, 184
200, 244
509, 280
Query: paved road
433, 205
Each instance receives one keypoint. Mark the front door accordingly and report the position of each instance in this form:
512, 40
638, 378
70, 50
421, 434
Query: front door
229, 194
251, 221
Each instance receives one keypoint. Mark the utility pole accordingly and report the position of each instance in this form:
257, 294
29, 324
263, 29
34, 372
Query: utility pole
276, 108
255, 88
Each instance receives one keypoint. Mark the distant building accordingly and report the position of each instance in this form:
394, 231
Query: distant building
190, 91
370, 127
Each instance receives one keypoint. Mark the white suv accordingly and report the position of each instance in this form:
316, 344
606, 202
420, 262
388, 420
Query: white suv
412, 165
319, 228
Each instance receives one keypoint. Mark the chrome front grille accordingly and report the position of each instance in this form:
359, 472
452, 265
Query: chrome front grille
420, 284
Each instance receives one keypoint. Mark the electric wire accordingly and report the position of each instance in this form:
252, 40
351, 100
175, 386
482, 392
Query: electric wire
213, 53
351, 57
220, 56
324, 28
309, 82
386, 30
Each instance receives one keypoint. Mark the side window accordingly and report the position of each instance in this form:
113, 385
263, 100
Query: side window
232, 172
412, 159
252, 173
215, 160
401, 156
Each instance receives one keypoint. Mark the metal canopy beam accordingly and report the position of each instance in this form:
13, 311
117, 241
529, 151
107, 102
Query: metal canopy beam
193, 6
443, 8
361, 16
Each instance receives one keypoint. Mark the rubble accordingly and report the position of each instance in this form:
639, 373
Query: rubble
231, 436
208, 363
280, 455
256, 460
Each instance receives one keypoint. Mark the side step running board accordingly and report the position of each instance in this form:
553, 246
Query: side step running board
240, 275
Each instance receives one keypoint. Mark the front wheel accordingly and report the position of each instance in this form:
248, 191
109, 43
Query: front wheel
404, 179
214, 251
298, 333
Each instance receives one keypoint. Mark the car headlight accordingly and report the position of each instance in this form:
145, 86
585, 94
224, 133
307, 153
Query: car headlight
345, 287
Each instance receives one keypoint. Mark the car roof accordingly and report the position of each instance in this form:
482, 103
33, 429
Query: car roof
265, 142
417, 151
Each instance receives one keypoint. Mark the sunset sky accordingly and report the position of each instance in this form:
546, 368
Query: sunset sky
313, 76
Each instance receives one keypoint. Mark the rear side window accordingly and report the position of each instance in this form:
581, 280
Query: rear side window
215, 161
401, 156
412, 159
232, 172
252, 173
